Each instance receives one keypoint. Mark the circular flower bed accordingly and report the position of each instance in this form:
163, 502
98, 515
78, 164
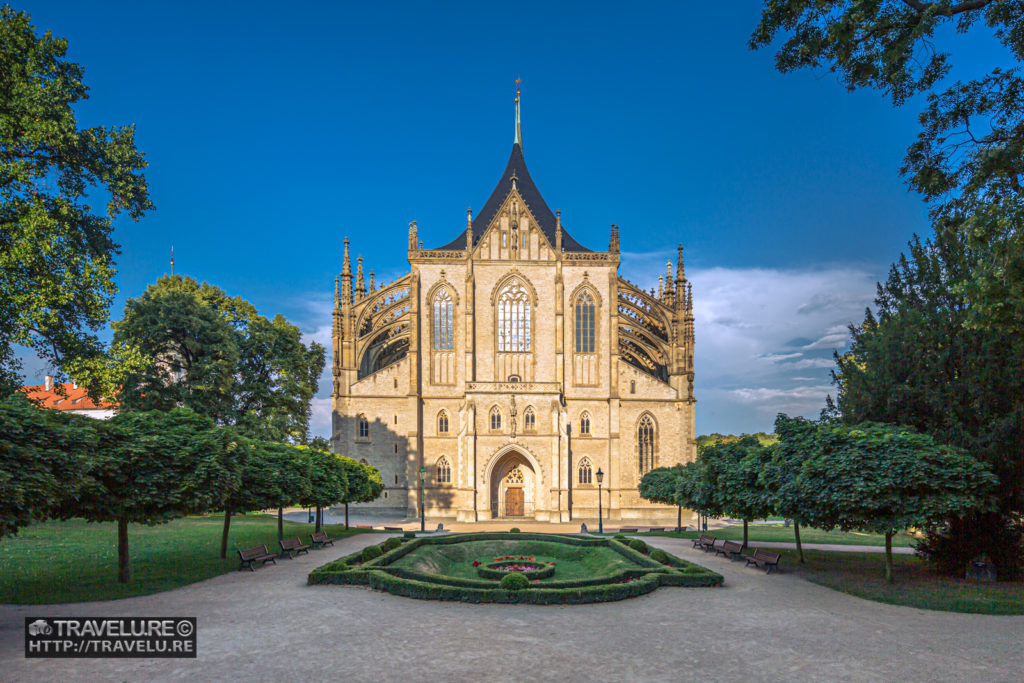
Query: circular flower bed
502, 566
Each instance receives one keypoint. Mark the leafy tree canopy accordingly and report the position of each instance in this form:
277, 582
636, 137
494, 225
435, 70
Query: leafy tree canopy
56, 251
217, 355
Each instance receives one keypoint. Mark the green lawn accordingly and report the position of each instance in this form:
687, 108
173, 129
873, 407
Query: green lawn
862, 574
76, 561
778, 532
571, 562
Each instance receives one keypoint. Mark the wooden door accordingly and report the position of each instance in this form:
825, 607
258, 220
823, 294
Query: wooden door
514, 502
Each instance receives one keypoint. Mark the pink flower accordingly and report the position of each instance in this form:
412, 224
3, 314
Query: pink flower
476, 563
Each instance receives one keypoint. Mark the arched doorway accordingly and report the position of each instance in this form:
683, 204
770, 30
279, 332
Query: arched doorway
513, 487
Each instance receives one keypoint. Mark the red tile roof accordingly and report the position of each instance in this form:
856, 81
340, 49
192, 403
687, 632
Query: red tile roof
73, 398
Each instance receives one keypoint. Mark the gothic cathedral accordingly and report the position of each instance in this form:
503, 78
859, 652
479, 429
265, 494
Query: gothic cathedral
513, 369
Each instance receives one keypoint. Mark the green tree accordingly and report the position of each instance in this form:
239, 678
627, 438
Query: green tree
151, 468
737, 485
940, 355
661, 485
364, 484
923, 363
217, 355
270, 475
57, 253
43, 457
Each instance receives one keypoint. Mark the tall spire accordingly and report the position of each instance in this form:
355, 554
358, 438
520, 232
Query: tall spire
346, 277
360, 284
519, 131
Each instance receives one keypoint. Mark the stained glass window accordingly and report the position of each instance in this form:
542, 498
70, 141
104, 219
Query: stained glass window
495, 419
645, 441
444, 471
585, 472
442, 423
530, 420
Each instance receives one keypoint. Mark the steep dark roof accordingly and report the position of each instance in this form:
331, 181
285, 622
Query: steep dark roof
531, 195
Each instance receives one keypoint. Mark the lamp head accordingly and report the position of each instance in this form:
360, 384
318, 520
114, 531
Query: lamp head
600, 476
423, 472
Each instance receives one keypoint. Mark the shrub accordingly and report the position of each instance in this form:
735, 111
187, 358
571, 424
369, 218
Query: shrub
390, 544
638, 545
371, 552
409, 534
514, 530
515, 581
659, 555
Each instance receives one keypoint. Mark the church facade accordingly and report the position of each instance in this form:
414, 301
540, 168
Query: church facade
513, 368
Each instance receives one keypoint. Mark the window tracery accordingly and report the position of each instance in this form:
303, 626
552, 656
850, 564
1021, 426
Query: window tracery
444, 323
515, 476
584, 474
364, 427
530, 420
585, 323
585, 424
444, 471
495, 419
442, 422
645, 444
513, 318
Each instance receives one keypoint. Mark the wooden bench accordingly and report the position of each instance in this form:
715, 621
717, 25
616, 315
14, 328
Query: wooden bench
763, 558
293, 545
393, 528
320, 539
705, 542
629, 530
364, 526
730, 549
257, 553
657, 528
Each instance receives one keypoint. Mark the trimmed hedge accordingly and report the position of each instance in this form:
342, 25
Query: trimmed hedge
490, 571
659, 555
378, 573
514, 530
638, 545
390, 544
514, 581
372, 552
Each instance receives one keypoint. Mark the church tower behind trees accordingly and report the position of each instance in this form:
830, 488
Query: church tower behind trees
511, 364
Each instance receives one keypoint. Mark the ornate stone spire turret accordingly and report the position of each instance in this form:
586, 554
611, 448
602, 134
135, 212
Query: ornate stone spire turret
469, 229
689, 299
680, 277
661, 286
613, 242
346, 277
558, 230
373, 287
360, 285
337, 296
670, 293
412, 236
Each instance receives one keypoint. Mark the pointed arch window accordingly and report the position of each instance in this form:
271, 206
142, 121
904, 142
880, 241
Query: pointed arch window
444, 471
444, 323
646, 444
495, 419
530, 420
585, 323
585, 424
585, 473
363, 427
442, 422
513, 318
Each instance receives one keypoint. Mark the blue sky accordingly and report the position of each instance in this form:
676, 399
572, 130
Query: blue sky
274, 131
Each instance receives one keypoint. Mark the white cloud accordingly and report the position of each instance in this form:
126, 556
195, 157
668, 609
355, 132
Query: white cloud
320, 417
754, 327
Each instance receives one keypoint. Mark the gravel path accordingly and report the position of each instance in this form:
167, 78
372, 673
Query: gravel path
272, 626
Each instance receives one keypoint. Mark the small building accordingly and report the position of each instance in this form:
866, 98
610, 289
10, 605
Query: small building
68, 397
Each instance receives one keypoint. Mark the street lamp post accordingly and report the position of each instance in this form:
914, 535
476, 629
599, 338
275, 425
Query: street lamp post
423, 518
600, 515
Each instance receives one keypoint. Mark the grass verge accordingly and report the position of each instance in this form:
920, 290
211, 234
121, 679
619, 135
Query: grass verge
75, 561
916, 585
784, 534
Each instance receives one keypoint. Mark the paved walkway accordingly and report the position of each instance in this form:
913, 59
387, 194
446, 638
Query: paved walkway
272, 626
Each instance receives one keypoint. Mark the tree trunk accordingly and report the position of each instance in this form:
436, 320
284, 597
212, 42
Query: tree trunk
799, 547
744, 534
679, 518
280, 524
888, 556
122, 550
319, 518
346, 515
224, 536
